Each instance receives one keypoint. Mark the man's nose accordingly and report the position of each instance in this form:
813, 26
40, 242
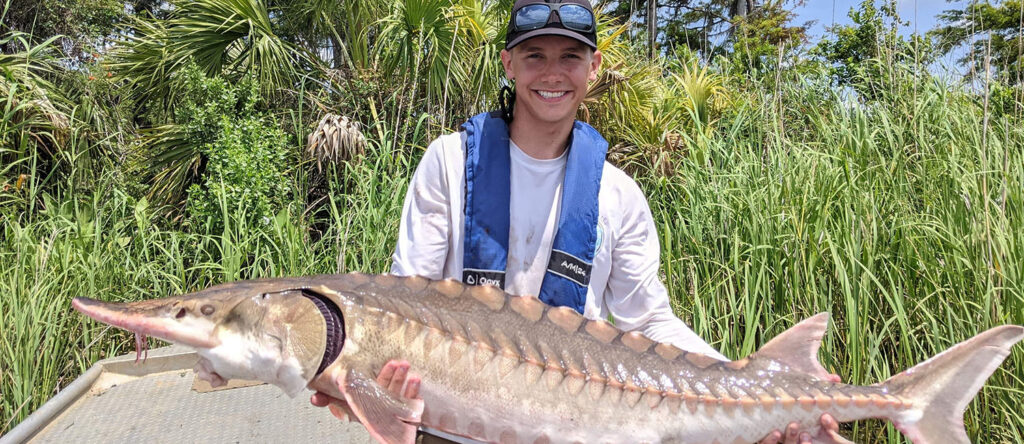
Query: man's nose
552, 70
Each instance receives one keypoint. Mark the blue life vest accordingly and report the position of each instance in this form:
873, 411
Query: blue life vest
488, 185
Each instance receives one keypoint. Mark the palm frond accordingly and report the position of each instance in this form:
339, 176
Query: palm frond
145, 62
483, 25
224, 37
33, 108
175, 160
425, 46
702, 94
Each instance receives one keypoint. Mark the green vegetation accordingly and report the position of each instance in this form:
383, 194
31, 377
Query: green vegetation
990, 30
848, 179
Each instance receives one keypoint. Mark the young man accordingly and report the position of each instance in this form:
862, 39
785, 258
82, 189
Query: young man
523, 198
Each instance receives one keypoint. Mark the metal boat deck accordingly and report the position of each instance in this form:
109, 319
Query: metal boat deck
118, 400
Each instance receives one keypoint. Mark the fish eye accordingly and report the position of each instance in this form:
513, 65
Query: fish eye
207, 310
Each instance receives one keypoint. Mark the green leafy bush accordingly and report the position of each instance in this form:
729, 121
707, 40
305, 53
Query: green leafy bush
203, 103
246, 174
245, 153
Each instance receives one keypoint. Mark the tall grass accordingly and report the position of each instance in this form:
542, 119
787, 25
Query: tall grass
895, 217
901, 217
106, 244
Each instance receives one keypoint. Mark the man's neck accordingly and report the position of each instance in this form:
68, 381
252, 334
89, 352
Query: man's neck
540, 140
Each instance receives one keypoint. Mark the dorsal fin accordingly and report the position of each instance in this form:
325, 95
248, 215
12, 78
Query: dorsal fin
798, 346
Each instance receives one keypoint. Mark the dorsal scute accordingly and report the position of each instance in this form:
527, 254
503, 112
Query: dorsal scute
602, 330
395, 282
667, 351
387, 280
565, 318
702, 361
489, 295
528, 307
636, 341
448, 287
338, 283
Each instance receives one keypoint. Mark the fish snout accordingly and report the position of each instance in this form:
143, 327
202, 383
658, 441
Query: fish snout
172, 320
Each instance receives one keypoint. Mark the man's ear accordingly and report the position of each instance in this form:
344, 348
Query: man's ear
595, 65
506, 61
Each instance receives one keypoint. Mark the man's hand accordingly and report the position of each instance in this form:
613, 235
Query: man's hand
829, 433
393, 377
204, 371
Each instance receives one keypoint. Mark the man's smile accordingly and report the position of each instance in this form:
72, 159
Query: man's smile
551, 95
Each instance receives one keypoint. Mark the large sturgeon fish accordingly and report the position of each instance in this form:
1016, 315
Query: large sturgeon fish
509, 369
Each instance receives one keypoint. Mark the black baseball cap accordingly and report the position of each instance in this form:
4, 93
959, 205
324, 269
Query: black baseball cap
553, 24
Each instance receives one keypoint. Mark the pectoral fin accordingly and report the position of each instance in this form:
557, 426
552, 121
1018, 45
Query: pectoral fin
386, 417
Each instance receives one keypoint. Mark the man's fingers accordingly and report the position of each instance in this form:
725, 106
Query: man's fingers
340, 412
412, 388
828, 423
398, 379
319, 399
339, 408
204, 370
772, 438
832, 377
792, 433
387, 373
830, 428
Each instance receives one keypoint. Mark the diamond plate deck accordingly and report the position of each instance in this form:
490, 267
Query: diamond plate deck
154, 402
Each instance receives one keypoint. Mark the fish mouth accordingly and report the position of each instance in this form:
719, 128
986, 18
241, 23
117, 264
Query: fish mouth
145, 321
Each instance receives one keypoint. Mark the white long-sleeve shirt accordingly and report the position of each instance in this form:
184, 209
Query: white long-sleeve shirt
624, 280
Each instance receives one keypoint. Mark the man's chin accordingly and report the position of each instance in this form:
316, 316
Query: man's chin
554, 117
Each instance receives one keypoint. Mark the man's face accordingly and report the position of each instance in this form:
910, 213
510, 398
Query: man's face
551, 74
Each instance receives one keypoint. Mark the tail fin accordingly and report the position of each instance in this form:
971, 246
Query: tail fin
941, 387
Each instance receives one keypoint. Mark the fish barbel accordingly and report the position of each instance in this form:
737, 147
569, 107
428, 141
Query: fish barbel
510, 369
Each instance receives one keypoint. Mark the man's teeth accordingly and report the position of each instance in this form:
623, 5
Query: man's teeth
551, 94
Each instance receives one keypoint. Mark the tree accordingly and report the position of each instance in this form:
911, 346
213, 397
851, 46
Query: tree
81, 24
336, 25
709, 26
993, 30
681, 22
652, 27
759, 34
706, 26
862, 54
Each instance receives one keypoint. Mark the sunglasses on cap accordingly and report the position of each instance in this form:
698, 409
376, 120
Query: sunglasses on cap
537, 15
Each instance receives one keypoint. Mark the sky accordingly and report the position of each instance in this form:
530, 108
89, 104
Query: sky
921, 16
920, 13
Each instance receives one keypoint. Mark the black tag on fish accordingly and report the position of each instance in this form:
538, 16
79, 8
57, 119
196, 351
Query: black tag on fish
483, 277
569, 267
